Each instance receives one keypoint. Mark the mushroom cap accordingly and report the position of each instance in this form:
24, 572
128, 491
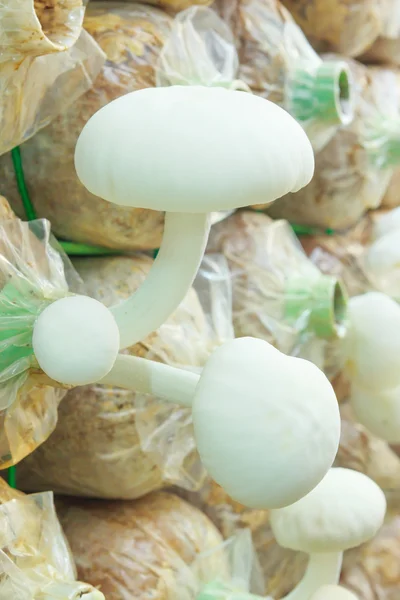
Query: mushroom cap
384, 253
387, 222
76, 340
378, 411
345, 510
333, 592
374, 341
267, 426
192, 149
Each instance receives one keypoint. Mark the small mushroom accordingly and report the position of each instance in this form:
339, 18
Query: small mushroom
84, 340
373, 352
382, 262
267, 426
345, 510
189, 151
333, 592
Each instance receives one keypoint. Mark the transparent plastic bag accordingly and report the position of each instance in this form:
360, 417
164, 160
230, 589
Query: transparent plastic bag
35, 91
153, 542
372, 570
281, 569
361, 451
345, 26
391, 198
114, 443
386, 48
353, 171
35, 559
199, 51
278, 294
36, 27
131, 36
32, 275
362, 262
278, 63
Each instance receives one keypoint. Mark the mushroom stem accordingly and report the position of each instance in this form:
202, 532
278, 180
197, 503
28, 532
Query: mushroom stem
322, 569
172, 274
150, 377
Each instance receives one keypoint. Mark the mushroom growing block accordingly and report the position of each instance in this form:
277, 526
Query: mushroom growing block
353, 171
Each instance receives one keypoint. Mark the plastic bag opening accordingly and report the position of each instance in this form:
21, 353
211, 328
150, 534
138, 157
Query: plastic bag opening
38, 27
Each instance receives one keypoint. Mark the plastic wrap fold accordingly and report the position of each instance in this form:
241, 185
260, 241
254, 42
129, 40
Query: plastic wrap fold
278, 63
345, 26
164, 547
386, 48
113, 443
352, 173
174, 5
131, 36
278, 294
372, 570
35, 90
35, 559
32, 275
38, 27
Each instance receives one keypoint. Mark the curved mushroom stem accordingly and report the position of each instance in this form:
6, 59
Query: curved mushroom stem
322, 569
150, 377
182, 249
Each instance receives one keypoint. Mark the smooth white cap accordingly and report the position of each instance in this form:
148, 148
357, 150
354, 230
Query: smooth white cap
345, 510
192, 149
76, 340
387, 222
267, 426
382, 263
374, 341
378, 411
333, 592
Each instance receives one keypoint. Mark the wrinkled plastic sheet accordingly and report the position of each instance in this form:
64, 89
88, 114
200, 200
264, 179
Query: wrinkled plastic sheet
353, 171
35, 90
34, 554
273, 283
32, 275
38, 27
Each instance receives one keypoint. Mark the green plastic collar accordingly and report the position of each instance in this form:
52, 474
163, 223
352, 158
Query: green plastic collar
325, 94
325, 297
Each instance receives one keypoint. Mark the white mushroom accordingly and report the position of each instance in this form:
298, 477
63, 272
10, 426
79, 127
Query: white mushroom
267, 426
345, 510
382, 263
333, 592
387, 222
373, 353
378, 411
76, 340
187, 150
